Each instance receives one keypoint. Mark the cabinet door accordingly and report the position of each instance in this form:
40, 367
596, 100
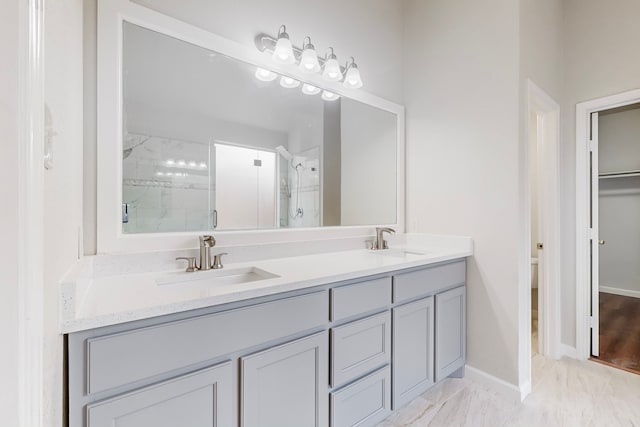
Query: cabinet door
450, 332
287, 386
413, 350
200, 399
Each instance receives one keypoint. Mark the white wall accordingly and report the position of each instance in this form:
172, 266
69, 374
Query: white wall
601, 42
9, 77
619, 150
370, 30
63, 183
461, 95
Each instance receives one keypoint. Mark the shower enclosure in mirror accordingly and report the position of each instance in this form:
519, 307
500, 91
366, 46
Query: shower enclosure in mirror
207, 145
194, 138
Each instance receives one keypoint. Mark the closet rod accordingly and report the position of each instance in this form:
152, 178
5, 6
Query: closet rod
619, 174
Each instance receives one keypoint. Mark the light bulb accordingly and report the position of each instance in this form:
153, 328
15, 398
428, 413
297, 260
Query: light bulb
352, 79
329, 96
170, 162
192, 164
181, 163
288, 82
283, 52
202, 165
308, 89
309, 59
265, 75
332, 71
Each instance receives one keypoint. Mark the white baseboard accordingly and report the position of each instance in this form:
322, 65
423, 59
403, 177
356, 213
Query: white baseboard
507, 390
618, 291
568, 351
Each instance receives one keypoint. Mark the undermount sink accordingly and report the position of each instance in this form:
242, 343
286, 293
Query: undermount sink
398, 253
221, 277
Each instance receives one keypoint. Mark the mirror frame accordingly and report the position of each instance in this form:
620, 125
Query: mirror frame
110, 237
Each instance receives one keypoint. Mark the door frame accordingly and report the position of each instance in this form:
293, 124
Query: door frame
583, 232
548, 148
30, 181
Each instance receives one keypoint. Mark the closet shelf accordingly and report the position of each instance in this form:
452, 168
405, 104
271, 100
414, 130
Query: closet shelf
623, 174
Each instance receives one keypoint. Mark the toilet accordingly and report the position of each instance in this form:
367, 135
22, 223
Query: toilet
534, 272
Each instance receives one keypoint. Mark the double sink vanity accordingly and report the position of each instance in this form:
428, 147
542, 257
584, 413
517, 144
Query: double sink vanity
330, 339
301, 323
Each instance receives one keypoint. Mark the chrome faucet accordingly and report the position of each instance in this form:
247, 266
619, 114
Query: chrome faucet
206, 243
380, 243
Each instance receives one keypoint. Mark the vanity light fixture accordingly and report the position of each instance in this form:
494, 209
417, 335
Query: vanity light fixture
283, 51
289, 82
309, 58
308, 89
332, 71
352, 78
329, 96
265, 75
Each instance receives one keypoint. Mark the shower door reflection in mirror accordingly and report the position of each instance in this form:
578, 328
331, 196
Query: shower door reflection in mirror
208, 146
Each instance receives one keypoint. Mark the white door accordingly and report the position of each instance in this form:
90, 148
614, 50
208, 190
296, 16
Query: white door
245, 195
595, 248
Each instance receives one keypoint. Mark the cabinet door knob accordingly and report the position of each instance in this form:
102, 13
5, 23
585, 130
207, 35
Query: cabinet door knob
601, 242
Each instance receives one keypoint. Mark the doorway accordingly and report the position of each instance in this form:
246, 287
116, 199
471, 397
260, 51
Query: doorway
540, 288
607, 208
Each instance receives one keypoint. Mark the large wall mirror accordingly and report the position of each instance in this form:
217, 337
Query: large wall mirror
205, 144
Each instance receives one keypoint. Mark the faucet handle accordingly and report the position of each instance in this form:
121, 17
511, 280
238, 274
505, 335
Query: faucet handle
191, 260
217, 261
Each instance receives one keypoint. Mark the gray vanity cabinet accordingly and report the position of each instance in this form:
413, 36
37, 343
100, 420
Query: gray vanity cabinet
200, 399
286, 386
340, 355
450, 332
413, 350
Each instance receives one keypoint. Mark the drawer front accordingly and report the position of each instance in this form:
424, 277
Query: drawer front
428, 281
200, 399
127, 357
351, 300
360, 347
363, 403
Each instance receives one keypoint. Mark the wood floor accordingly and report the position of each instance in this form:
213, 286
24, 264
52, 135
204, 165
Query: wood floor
620, 332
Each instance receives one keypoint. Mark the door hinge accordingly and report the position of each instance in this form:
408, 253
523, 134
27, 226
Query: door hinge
590, 233
590, 142
591, 321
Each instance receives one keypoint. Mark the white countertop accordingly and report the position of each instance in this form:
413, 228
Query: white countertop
91, 301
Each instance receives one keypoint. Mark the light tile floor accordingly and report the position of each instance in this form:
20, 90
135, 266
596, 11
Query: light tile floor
565, 393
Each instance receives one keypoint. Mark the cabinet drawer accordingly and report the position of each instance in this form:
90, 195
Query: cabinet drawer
127, 357
428, 281
351, 300
363, 403
360, 347
201, 399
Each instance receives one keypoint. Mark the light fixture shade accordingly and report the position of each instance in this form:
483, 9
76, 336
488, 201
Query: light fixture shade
289, 82
309, 60
352, 79
329, 96
308, 89
283, 52
332, 72
265, 75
